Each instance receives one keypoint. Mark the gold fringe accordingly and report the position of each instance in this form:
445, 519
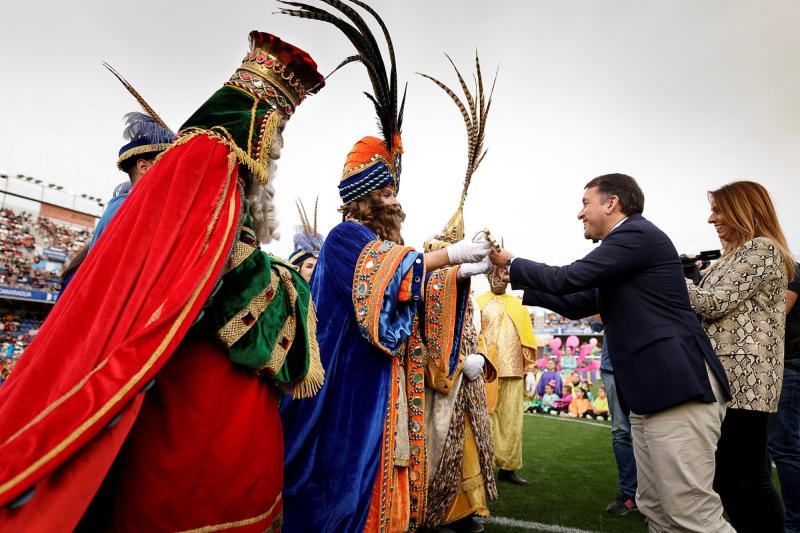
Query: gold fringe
268, 129
312, 382
258, 170
252, 126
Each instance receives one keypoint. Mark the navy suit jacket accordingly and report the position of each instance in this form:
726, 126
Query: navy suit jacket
634, 279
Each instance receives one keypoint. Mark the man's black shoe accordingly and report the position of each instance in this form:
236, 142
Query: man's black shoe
512, 477
622, 505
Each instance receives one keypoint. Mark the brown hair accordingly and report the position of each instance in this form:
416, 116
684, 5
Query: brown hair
624, 187
384, 220
749, 213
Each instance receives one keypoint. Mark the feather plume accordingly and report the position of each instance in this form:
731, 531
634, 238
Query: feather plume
140, 125
301, 210
308, 243
316, 210
352, 24
147, 109
306, 237
474, 113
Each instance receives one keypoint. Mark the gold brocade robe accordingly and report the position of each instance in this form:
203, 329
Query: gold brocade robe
501, 316
503, 346
450, 401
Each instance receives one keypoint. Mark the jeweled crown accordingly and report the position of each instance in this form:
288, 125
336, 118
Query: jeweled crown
277, 72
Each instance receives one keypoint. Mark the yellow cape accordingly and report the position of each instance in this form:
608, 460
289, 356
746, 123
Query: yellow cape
516, 312
522, 322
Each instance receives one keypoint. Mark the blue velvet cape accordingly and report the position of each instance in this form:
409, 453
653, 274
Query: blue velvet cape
333, 441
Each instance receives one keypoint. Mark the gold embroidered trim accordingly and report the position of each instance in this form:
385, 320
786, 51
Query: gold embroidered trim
312, 382
136, 379
377, 158
236, 327
375, 268
258, 170
241, 251
144, 149
441, 297
285, 338
241, 523
286, 90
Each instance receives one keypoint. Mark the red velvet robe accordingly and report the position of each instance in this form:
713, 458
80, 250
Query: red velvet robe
78, 396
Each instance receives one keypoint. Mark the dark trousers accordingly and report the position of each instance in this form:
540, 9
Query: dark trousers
784, 446
743, 474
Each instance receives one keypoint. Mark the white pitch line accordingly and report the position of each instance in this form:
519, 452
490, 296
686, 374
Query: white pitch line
571, 419
533, 526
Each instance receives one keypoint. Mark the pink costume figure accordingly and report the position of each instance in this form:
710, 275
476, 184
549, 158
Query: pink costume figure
569, 360
555, 352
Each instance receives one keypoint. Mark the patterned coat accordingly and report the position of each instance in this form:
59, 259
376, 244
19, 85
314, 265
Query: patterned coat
741, 301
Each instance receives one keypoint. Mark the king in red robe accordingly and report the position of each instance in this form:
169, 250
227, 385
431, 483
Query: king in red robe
148, 401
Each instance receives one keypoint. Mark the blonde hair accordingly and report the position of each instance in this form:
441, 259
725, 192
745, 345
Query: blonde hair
749, 213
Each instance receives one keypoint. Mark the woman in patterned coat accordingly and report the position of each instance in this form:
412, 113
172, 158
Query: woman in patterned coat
741, 301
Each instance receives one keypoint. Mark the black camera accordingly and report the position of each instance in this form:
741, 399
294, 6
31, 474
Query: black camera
694, 263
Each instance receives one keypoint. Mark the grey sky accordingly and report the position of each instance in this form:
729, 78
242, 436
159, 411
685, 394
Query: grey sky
684, 95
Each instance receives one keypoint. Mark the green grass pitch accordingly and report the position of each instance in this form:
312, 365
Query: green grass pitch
573, 478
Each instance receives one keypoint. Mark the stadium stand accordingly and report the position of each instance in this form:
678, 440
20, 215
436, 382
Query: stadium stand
32, 251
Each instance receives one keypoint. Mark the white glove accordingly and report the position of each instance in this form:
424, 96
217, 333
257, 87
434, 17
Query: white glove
473, 269
467, 252
530, 384
473, 366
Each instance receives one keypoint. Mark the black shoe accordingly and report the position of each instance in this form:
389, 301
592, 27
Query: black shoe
464, 525
512, 477
622, 505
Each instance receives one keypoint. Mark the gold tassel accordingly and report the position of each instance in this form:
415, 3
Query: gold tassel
315, 377
268, 129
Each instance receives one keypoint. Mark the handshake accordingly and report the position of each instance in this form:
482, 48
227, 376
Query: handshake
477, 257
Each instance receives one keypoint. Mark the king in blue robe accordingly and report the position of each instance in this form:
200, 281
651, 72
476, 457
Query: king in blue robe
355, 454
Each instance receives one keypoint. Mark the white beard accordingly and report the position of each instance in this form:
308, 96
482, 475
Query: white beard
262, 207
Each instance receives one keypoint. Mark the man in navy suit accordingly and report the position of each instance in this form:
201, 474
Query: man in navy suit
666, 371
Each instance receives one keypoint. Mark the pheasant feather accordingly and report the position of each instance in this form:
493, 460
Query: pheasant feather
147, 109
474, 113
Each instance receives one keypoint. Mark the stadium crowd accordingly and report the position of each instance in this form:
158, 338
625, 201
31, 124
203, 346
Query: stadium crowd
22, 239
63, 237
17, 329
